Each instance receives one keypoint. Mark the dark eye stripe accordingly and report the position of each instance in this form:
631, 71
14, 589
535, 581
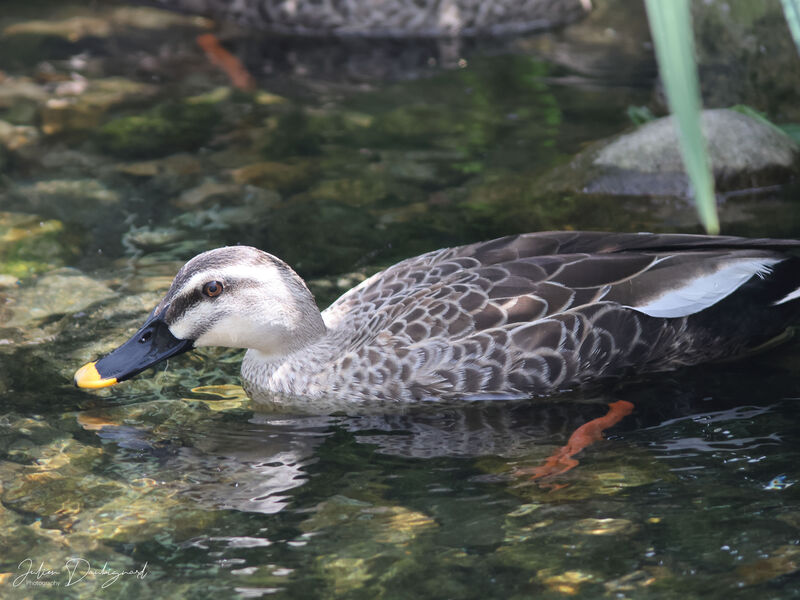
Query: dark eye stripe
180, 304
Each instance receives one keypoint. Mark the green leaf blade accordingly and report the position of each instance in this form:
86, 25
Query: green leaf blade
671, 27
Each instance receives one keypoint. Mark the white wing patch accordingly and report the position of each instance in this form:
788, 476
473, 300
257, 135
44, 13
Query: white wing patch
790, 296
706, 290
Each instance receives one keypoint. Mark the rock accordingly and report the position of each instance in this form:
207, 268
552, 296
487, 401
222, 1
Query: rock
144, 17
745, 152
17, 137
20, 90
72, 200
607, 526
72, 29
165, 129
151, 238
82, 104
63, 291
780, 562
65, 159
174, 166
283, 176
266, 98
31, 245
206, 194
567, 583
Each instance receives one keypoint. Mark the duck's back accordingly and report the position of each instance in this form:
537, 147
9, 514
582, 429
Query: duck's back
539, 313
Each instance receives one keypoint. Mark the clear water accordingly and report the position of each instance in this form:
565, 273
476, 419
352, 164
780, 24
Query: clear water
176, 476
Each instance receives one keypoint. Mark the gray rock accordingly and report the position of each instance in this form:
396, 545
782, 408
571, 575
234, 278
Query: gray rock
745, 153
71, 200
63, 291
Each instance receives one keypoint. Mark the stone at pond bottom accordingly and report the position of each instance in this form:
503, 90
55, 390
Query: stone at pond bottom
284, 176
568, 582
162, 130
782, 561
64, 291
206, 194
17, 137
81, 104
31, 245
71, 200
74, 29
745, 152
636, 580
606, 526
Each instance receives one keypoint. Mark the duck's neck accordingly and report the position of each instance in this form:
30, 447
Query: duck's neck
309, 329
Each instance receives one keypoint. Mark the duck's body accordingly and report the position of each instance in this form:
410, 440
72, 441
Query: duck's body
524, 315
389, 18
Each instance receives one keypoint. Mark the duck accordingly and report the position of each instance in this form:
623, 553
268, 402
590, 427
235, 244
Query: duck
524, 316
388, 18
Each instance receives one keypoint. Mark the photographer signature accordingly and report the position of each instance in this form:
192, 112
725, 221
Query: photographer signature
75, 570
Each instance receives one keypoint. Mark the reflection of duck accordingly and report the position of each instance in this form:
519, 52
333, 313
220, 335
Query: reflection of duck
528, 314
390, 18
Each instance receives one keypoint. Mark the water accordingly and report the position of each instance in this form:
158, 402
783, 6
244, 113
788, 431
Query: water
178, 482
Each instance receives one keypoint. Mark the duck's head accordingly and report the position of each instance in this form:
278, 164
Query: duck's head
239, 297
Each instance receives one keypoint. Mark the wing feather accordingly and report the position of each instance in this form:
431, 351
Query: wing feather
538, 309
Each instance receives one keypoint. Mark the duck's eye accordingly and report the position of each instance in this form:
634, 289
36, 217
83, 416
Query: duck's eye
212, 288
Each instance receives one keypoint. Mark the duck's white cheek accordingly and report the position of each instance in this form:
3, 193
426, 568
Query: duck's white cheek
196, 323
229, 331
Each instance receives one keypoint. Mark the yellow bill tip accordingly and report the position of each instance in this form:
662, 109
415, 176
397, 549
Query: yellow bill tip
88, 377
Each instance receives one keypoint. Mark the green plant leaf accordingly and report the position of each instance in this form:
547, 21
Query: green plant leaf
791, 10
671, 27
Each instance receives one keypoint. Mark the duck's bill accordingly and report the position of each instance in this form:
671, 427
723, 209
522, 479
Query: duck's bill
148, 346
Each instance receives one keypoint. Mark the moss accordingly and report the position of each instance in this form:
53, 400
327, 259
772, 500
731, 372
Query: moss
167, 128
29, 245
294, 134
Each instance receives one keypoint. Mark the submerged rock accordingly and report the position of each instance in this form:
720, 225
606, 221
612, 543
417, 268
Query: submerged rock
17, 137
206, 194
745, 153
81, 104
63, 291
71, 29
76, 28
291, 175
165, 129
171, 167
780, 562
71, 200
31, 245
